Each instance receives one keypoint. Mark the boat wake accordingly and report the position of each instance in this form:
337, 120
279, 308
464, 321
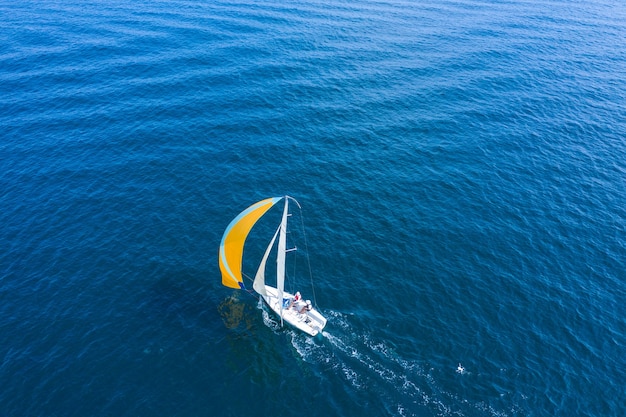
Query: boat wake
269, 319
367, 365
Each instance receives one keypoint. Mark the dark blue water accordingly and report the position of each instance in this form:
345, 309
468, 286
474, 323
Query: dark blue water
461, 167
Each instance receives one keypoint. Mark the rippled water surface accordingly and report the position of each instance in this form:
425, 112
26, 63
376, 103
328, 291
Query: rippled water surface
461, 168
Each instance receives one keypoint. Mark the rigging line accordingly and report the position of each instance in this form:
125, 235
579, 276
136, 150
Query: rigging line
249, 279
294, 248
308, 259
246, 276
294, 269
288, 282
250, 292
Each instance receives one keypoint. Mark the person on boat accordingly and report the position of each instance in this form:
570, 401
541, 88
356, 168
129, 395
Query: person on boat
295, 300
306, 307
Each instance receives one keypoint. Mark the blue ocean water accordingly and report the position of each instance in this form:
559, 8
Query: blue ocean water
461, 167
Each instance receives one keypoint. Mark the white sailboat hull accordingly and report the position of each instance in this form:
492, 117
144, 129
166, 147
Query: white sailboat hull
310, 322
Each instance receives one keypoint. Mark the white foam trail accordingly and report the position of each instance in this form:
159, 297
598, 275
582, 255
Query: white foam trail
268, 320
363, 361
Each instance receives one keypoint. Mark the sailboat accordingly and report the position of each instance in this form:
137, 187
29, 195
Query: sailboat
290, 308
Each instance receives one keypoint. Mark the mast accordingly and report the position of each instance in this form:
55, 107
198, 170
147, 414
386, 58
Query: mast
280, 258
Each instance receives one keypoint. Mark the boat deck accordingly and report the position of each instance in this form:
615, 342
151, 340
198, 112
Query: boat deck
310, 322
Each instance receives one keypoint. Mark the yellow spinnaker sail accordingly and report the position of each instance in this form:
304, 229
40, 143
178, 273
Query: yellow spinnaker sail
231, 247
